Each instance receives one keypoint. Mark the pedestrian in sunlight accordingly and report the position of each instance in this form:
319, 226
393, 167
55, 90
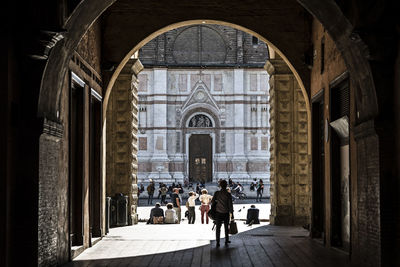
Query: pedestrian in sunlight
205, 200
222, 200
191, 207
177, 202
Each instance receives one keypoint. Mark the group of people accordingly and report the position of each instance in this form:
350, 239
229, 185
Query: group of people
237, 189
176, 211
259, 187
221, 201
163, 191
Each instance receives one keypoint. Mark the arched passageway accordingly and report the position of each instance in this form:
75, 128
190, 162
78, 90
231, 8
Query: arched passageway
290, 126
39, 73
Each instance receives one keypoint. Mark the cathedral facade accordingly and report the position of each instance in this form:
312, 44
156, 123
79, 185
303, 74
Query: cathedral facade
203, 107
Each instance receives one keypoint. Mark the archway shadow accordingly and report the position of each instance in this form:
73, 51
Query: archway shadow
263, 246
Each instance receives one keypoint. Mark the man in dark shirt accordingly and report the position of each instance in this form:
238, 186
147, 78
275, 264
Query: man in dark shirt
252, 215
176, 201
155, 212
222, 200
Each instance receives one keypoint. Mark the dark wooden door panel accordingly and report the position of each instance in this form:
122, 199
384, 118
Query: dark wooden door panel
200, 158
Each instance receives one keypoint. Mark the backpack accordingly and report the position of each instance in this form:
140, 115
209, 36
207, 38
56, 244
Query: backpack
213, 210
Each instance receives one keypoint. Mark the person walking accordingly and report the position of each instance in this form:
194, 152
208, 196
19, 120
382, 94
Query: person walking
222, 200
192, 205
253, 184
177, 201
163, 191
150, 192
260, 190
159, 190
205, 200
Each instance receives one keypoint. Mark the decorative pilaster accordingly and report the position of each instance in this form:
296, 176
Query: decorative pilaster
133, 100
122, 128
290, 170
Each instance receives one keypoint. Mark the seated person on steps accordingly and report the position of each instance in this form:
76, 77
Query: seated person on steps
170, 214
252, 215
156, 215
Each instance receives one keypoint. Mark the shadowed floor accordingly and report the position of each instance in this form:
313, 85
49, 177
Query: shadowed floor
194, 245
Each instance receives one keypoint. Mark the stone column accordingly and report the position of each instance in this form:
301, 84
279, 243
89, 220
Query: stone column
290, 167
133, 101
122, 126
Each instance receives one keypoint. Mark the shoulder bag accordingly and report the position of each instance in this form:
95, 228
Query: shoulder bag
233, 228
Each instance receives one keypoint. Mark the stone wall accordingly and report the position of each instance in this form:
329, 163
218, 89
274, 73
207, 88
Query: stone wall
54, 172
290, 161
204, 45
48, 218
89, 47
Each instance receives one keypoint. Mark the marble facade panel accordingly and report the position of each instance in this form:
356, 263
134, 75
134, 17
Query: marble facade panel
231, 110
142, 143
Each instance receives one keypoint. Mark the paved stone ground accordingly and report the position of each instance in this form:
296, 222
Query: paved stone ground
194, 245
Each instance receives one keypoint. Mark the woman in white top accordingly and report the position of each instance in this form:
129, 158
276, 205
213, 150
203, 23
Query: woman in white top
170, 214
205, 200
191, 207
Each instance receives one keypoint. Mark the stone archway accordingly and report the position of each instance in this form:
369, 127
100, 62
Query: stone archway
328, 13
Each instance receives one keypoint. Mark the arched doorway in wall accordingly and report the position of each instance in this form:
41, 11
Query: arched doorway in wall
289, 99
194, 114
48, 84
201, 147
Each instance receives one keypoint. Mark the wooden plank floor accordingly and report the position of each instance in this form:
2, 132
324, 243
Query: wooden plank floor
263, 246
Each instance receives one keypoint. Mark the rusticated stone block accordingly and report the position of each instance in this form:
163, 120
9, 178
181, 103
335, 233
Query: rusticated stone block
303, 179
301, 190
285, 190
283, 85
284, 116
284, 137
301, 169
303, 200
284, 105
